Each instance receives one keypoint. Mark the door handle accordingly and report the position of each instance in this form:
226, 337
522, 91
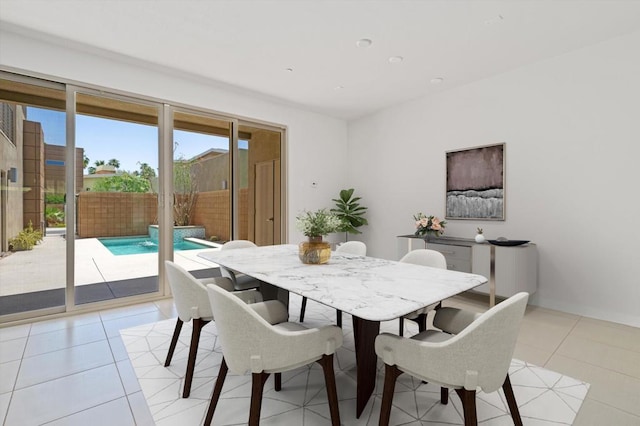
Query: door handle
270, 219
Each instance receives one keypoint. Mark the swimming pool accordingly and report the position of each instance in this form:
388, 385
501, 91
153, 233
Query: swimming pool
141, 245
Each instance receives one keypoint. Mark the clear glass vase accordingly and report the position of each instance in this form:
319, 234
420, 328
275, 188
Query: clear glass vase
314, 251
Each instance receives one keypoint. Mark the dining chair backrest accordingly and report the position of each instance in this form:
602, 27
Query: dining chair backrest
486, 346
425, 257
250, 341
237, 244
353, 247
189, 294
483, 350
257, 345
236, 341
232, 245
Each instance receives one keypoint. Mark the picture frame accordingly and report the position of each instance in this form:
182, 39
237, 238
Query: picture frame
475, 184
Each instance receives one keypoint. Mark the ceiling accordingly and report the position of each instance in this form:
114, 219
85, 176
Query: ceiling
304, 52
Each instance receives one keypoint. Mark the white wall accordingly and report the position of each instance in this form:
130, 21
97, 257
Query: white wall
572, 130
316, 149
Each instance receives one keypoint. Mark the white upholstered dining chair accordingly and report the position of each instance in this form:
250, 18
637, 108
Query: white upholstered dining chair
424, 257
192, 303
264, 348
476, 356
240, 281
357, 248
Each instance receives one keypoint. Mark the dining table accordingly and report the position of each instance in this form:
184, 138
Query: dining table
370, 289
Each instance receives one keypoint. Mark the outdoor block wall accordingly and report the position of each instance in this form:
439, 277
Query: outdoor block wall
11, 153
120, 214
115, 214
32, 160
213, 212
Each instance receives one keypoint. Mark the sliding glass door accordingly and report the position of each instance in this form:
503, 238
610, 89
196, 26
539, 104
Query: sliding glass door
201, 186
259, 183
33, 220
97, 190
116, 239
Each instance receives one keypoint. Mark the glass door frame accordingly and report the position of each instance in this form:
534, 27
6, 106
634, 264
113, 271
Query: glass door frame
71, 98
165, 176
284, 188
42, 82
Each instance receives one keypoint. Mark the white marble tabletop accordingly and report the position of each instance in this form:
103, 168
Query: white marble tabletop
370, 288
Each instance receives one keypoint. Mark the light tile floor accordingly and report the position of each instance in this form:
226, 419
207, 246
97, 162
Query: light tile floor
544, 396
75, 370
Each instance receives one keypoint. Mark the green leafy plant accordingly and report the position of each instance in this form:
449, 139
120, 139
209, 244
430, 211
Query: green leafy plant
123, 183
54, 216
318, 223
350, 212
185, 191
54, 198
26, 239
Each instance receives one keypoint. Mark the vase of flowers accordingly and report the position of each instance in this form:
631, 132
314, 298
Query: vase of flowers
480, 236
315, 225
428, 225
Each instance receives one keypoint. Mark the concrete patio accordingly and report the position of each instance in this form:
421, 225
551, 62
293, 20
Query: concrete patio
36, 278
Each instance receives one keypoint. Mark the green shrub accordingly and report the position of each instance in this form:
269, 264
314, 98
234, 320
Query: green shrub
54, 198
26, 239
54, 216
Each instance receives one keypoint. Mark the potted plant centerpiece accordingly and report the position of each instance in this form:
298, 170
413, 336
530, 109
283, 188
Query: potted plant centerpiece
316, 225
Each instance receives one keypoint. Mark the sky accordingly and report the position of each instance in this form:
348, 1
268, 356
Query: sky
129, 143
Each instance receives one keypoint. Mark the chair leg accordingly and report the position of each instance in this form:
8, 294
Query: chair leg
174, 342
217, 390
511, 401
468, 399
303, 308
391, 373
277, 377
257, 386
444, 396
332, 394
198, 323
422, 322
339, 318
401, 329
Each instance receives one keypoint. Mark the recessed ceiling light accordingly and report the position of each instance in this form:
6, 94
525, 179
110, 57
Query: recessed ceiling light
364, 43
396, 59
437, 80
495, 20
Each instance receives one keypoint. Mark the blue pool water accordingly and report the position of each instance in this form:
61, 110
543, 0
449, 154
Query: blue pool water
140, 245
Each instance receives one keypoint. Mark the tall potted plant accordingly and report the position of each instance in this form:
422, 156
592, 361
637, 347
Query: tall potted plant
350, 213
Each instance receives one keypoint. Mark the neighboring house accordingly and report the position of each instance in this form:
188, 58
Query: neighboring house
54, 170
89, 181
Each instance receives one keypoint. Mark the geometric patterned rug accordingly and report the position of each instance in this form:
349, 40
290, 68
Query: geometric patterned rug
544, 397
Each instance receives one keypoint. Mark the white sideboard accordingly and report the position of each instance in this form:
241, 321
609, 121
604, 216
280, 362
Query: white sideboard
510, 270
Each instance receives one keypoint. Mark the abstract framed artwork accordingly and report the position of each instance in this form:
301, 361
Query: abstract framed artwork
475, 183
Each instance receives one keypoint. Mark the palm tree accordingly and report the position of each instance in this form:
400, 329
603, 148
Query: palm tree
98, 163
115, 163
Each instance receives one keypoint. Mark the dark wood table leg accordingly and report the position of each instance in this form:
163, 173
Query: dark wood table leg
364, 333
